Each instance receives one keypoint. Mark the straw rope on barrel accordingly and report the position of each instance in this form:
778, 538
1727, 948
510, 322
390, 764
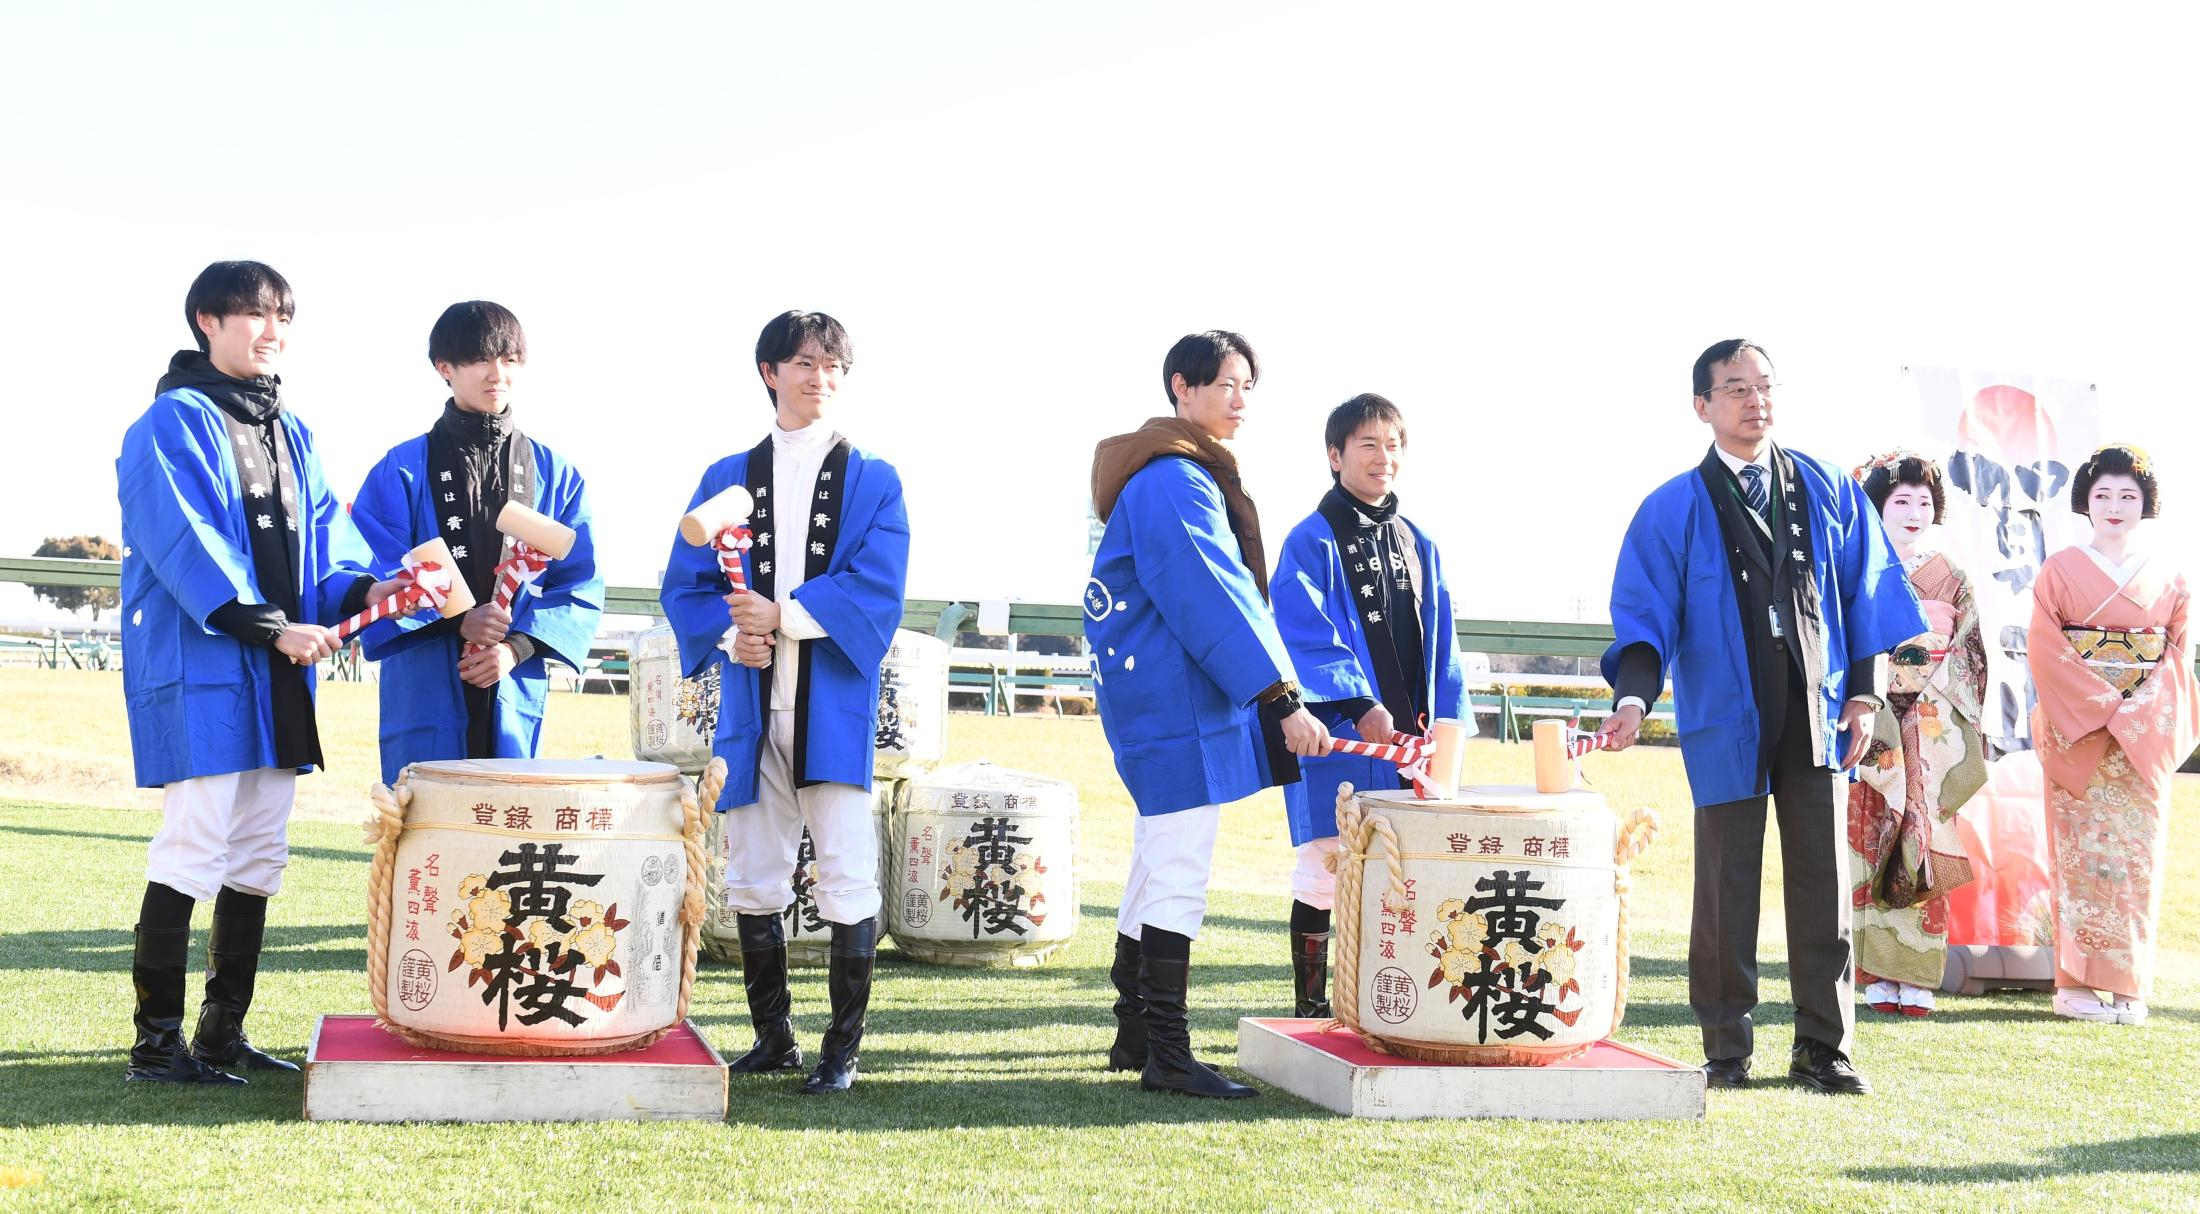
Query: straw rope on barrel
1366, 837
386, 826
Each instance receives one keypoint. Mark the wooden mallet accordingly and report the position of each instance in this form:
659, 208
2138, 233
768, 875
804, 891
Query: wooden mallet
537, 540
721, 522
435, 580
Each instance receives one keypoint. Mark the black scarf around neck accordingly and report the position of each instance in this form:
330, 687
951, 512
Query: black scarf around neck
1382, 567
476, 463
267, 485
824, 507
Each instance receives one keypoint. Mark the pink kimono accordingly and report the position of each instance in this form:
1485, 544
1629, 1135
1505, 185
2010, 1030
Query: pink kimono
2109, 758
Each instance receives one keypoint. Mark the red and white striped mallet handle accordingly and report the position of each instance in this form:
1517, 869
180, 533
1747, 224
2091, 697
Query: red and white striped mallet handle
730, 544
431, 584
523, 566
1410, 753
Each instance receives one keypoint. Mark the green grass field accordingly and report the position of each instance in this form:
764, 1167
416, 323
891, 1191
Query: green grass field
985, 1090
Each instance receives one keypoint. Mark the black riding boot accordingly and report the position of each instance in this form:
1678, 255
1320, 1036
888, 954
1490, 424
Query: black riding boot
1129, 1051
1310, 973
1164, 970
764, 977
232, 969
157, 972
849, 978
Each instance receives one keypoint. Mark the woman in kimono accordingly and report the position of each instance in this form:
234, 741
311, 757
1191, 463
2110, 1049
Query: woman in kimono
2112, 663
1926, 757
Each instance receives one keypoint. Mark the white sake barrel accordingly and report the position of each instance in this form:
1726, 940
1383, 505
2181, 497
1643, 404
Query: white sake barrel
912, 706
533, 905
673, 719
1505, 945
984, 867
809, 937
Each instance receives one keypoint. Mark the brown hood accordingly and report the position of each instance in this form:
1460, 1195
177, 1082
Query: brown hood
1117, 459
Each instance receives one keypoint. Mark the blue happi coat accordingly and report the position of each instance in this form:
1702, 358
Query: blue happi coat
423, 699
1181, 644
1327, 641
1673, 589
198, 698
858, 602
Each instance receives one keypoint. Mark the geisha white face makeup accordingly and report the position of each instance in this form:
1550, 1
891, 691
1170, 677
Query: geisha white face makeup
1907, 514
1368, 466
2115, 506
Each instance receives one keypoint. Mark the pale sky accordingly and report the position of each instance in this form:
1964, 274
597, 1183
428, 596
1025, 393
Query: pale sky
1520, 225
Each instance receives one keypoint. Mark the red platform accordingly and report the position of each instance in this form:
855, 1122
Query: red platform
1342, 1043
356, 1071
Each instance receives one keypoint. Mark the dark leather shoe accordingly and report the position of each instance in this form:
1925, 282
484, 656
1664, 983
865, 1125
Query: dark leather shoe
770, 1055
848, 981
1164, 971
1128, 1053
232, 972
764, 980
1726, 1073
1822, 1068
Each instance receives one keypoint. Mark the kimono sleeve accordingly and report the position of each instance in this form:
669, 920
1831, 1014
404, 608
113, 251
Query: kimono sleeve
345, 556
694, 590
1451, 701
563, 607
169, 481
860, 604
1308, 600
1187, 564
1648, 583
382, 511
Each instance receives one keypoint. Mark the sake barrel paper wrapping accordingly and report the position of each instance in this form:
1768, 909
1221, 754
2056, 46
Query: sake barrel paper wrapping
536, 903
808, 934
985, 867
912, 706
1503, 947
674, 719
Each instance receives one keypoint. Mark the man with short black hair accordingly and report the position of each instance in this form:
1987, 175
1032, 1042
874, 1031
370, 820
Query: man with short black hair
1763, 579
798, 701
1196, 693
474, 687
235, 560
1366, 616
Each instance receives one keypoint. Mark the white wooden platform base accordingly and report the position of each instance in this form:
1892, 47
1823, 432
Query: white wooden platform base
1611, 1082
357, 1072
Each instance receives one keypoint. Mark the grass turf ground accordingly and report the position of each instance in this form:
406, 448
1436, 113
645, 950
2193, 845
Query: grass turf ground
986, 1089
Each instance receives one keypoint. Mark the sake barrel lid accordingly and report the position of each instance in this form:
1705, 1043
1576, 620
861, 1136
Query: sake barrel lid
545, 771
984, 776
1490, 798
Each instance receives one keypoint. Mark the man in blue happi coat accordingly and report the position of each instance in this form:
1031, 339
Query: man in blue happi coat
798, 699
1196, 693
1763, 580
236, 559
473, 687
1365, 614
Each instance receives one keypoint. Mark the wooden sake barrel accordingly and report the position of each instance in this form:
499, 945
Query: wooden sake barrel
912, 706
1487, 928
535, 906
673, 719
984, 867
809, 937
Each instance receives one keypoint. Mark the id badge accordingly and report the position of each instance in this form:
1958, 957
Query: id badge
1773, 611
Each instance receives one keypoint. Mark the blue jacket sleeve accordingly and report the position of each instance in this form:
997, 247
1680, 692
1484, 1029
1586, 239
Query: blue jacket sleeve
1647, 586
860, 605
1308, 601
1186, 561
345, 556
694, 590
562, 609
168, 480
1450, 702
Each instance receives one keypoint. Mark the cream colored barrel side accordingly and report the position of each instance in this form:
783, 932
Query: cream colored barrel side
808, 935
1505, 944
672, 719
912, 706
985, 867
536, 904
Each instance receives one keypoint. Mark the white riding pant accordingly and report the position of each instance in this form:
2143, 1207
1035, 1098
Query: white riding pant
231, 829
763, 840
1171, 856
1312, 883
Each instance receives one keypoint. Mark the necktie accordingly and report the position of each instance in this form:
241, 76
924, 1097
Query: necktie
1754, 489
